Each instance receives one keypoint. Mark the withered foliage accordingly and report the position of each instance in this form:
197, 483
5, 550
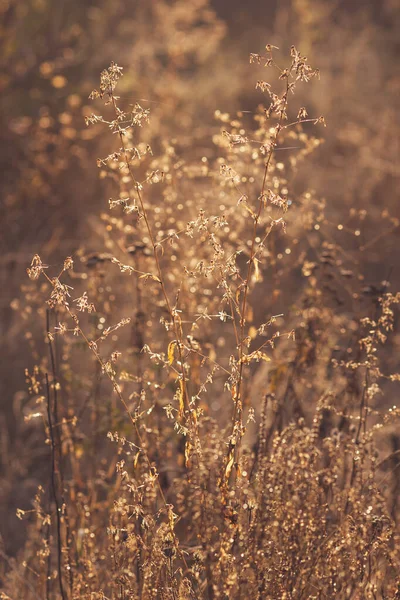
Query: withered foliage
206, 437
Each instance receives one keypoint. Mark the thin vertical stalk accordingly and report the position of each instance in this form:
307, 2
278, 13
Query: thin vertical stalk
54, 490
234, 444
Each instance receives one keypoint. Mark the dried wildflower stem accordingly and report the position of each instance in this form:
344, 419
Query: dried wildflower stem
362, 424
234, 445
54, 489
58, 448
48, 572
173, 316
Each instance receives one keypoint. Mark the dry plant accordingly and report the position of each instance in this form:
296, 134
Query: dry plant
205, 440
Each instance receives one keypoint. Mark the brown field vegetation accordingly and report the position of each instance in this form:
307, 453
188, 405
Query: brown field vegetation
199, 314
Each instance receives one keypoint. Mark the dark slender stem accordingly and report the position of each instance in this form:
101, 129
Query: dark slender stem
54, 489
56, 430
48, 574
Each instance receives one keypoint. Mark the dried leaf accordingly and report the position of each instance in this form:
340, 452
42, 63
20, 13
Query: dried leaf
188, 447
180, 398
229, 466
171, 351
257, 274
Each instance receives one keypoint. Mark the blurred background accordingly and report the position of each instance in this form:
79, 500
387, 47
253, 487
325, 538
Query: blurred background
183, 59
